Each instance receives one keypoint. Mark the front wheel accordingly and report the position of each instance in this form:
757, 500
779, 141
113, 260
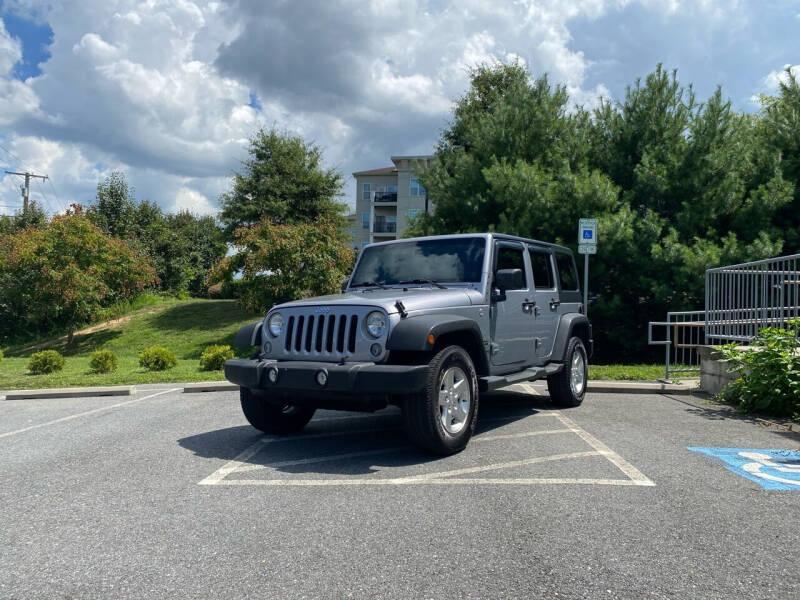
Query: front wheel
441, 417
273, 418
568, 387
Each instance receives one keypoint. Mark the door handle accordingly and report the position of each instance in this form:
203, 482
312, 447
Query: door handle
554, 303
527, 305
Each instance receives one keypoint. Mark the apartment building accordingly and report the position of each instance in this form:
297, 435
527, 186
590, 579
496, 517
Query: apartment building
387, 198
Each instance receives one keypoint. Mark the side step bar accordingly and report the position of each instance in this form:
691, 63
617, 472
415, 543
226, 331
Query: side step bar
494, 382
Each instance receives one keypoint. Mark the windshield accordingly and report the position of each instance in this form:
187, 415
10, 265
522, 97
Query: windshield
450, 260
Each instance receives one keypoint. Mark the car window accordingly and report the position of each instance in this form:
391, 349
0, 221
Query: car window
510, 257
542, 270
452, 260
567, 274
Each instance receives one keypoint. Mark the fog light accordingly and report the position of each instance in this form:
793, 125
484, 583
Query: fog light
322, 378
268, 348
376, 349
272, 375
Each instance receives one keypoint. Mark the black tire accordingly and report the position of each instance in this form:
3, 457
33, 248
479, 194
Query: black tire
562, 391
423, 417
273, 418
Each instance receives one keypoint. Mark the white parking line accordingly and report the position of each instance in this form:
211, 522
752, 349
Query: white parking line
88, 412
239, 464
623, 465
247, 454
361, 481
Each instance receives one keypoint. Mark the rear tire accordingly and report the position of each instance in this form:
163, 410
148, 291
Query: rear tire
441, 417
568, 388
273, 418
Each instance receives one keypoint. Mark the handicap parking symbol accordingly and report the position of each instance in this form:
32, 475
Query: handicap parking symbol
771, 469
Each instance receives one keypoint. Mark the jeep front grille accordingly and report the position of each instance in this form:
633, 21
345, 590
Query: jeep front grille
327, 336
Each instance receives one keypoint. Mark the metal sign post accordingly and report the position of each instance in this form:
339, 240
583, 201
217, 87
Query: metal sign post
587, 244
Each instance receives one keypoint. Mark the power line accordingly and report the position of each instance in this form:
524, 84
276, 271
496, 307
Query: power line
61, 202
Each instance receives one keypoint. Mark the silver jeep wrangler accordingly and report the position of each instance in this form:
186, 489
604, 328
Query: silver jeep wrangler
425, 324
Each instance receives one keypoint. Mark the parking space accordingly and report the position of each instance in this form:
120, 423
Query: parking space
164, 494
543, 447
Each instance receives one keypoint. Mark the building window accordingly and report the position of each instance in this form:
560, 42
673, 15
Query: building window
413, 212
367, 190
416, 187
365, 219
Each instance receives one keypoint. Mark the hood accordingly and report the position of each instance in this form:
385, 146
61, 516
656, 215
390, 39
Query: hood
414, 299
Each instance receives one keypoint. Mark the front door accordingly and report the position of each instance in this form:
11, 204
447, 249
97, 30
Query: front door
546, 311
512, 317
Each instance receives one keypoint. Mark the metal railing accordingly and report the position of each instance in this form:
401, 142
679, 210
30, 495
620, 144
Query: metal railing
741, 299
385, 197
685, 331
384, 227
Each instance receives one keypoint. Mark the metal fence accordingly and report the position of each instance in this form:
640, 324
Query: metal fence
685, 331
741, 299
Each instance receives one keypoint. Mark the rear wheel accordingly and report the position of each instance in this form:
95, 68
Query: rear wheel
441, 417
273, 418
568, 387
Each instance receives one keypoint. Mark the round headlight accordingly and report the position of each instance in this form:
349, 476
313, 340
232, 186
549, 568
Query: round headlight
275, 325
376, 323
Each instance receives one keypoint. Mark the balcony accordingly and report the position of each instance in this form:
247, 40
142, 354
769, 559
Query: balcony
384, 227
383, 197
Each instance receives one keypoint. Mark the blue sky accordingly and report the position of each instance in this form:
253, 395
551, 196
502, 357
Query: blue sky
169, 92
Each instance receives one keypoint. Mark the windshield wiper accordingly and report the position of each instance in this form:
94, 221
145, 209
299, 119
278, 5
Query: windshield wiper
430, 281
369, 284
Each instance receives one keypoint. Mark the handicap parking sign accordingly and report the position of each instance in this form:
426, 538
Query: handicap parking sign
771, 469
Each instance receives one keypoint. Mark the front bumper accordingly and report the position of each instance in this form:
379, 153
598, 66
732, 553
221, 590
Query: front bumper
358, 378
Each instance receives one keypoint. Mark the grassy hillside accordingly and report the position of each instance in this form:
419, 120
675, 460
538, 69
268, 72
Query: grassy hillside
183, 326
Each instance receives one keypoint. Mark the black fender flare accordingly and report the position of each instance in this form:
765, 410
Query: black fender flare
566, 329
249, 335
412, 333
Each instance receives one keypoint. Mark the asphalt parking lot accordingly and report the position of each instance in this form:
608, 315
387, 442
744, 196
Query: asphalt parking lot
166, 494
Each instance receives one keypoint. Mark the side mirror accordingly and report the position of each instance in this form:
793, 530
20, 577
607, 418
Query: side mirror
509, 279
345, 283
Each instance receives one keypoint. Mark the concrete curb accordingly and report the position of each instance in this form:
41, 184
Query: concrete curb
641, 387
209, 386
595, 387
85, 392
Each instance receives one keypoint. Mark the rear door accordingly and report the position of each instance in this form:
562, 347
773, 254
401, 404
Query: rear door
545, 294
512, 317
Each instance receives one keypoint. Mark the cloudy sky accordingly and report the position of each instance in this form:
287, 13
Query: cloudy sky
169, 91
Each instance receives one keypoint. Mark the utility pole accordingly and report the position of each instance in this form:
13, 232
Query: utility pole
26, 189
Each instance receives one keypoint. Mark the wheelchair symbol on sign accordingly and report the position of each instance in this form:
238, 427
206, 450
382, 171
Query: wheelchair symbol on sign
772, 469
764, 467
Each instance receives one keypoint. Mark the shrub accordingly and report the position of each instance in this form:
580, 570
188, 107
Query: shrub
103, 361
46, 361
1, 356
770, 372
157, 358
214, 357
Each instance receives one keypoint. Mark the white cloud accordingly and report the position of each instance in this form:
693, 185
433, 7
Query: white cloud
162, 89
773, 80
10, 50
193, 201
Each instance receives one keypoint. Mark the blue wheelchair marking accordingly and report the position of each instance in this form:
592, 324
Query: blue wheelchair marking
587, 234
771, 469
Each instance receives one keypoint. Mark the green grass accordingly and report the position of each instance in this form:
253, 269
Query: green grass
184, 326
626, 372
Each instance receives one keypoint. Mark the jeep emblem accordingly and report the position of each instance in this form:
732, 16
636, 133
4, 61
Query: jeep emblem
322, 309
